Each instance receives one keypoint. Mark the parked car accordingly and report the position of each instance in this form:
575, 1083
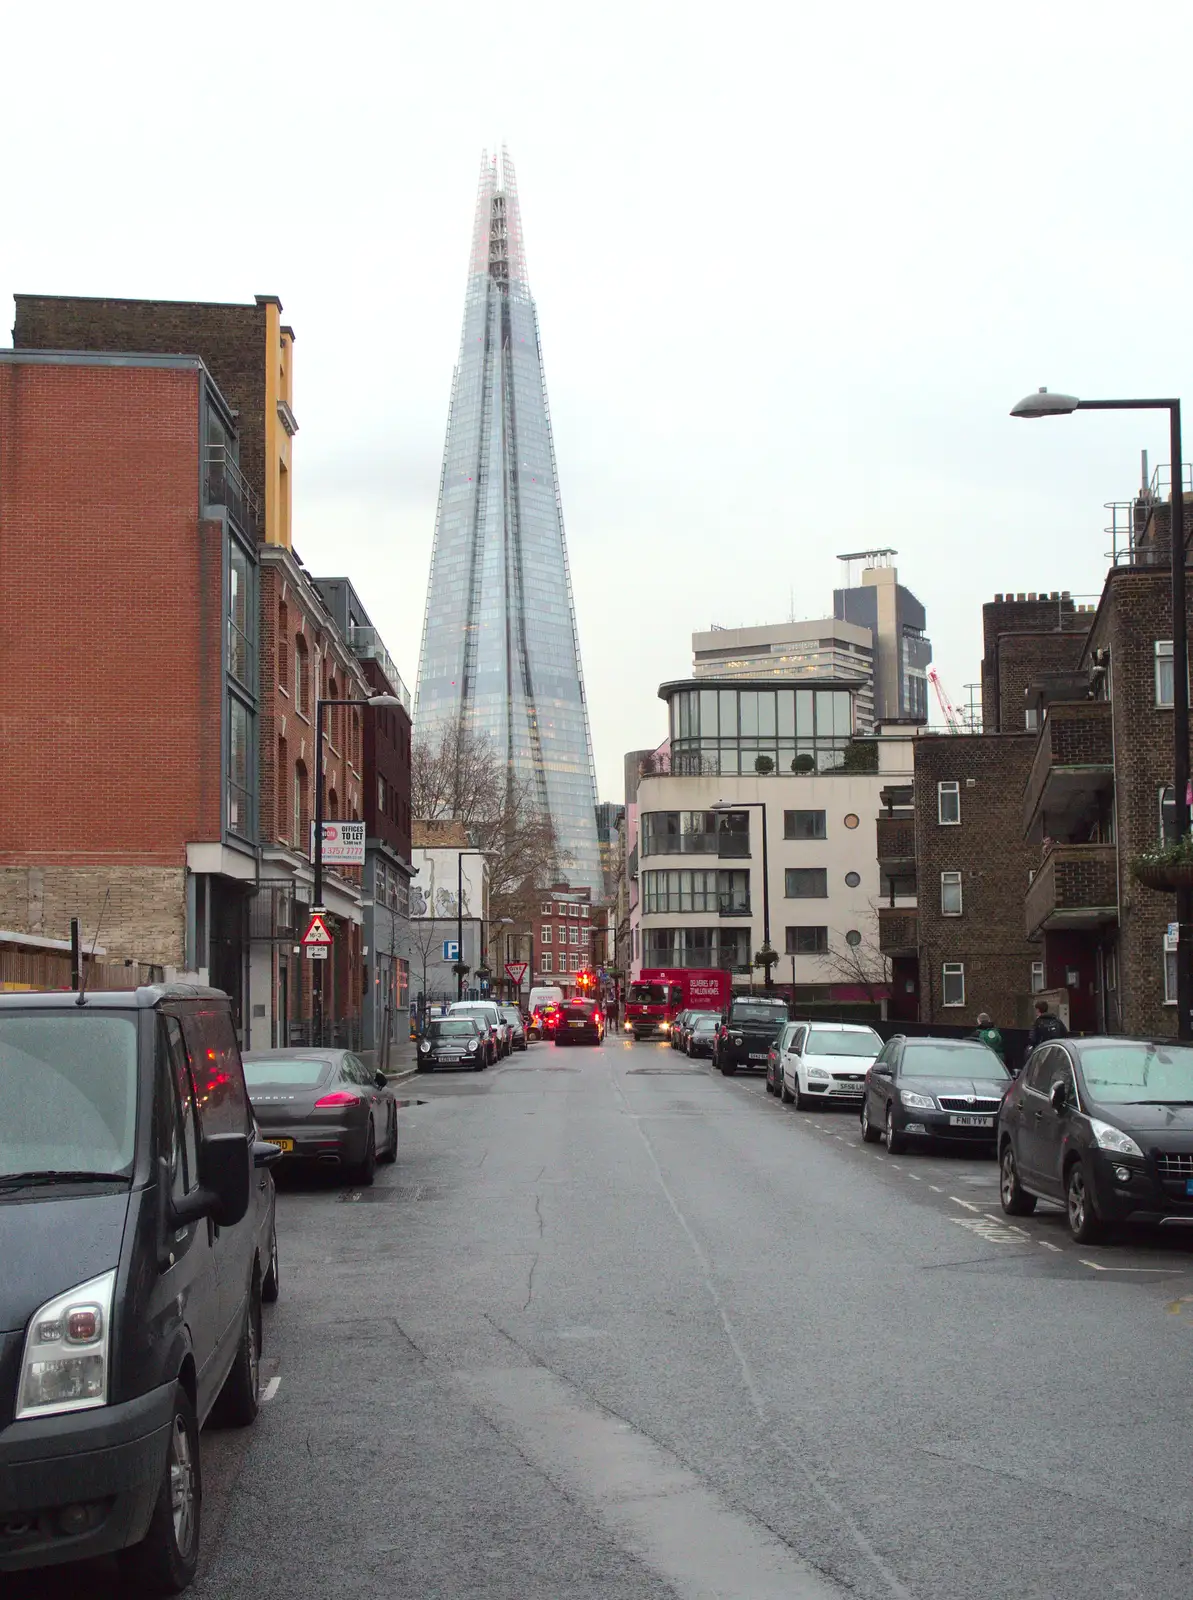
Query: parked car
826, 1061
774, 1056
675, 1036
132, 1237
693, 1017
702, 1035
933, 1088
747, 1032
456, 1042
580, 1021
324, 1106
517, 1026
491, 1013
1105, 1126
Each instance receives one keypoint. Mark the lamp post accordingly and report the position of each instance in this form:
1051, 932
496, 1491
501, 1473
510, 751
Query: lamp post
721, 807
1044, 404
374, 700
460, 918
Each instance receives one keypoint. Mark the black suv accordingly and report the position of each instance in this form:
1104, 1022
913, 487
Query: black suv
136, 1244
747, 1032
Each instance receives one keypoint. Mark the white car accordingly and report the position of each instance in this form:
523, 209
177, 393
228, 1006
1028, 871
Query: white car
826, 1061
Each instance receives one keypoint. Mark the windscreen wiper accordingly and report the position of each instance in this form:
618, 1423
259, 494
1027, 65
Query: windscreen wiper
21, 1180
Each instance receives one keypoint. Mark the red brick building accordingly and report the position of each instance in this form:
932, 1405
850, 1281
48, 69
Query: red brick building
563, 936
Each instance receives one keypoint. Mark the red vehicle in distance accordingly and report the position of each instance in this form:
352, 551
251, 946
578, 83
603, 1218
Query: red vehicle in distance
661, 993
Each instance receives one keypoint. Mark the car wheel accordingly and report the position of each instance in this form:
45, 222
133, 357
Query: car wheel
240, 1398
273, 1282
1084, 1223
870, 1133
1016, 1201
362, 1175
390, 1154
729, 1068
165, 1560
802, 1101
770, 1083
785, 1093
893, 1140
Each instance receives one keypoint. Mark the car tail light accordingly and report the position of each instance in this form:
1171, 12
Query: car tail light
341, 1097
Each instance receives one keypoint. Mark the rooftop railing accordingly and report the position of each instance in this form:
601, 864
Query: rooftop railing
366, 644
224, 485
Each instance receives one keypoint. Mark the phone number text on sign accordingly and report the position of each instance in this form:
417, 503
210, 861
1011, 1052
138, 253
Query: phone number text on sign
343, 844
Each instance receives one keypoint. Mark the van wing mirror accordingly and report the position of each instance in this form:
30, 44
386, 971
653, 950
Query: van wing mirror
225, 1183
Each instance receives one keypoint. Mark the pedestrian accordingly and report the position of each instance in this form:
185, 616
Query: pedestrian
1045, 1027
613, 1013
990, 1036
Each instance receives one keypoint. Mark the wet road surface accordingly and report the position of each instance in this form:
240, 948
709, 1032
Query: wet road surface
615, 1326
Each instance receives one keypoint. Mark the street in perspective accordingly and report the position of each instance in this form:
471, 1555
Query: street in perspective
649, 1062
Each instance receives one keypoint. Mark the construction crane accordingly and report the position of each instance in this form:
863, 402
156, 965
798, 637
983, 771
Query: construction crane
952, 718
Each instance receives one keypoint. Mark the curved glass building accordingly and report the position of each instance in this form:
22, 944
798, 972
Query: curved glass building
500, 653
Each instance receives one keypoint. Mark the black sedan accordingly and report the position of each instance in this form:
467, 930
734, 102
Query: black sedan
580, 1022
701, 1034
933, 1088
455, 1042
324, 1106
1105, 1127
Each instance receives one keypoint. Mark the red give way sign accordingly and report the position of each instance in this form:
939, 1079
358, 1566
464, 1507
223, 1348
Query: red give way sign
515, 971
316, 932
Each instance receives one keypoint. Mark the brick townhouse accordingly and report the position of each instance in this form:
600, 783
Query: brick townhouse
563, 936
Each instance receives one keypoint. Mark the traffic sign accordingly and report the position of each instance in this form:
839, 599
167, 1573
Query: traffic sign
316, 952
316, 934
515, 971
451, 950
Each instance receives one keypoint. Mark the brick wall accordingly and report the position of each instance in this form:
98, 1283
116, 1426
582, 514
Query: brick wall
1004, 620
143, 919
387, 758
230, 340
987, 848
1023, 658
896, 838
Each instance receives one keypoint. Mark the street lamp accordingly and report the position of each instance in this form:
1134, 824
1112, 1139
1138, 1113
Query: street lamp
721, 807
378, 701
460, 919
1045, 404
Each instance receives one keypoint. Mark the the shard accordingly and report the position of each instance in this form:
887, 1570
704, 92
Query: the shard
500, 654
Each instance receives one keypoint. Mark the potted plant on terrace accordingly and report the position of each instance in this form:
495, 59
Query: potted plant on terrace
1168, 866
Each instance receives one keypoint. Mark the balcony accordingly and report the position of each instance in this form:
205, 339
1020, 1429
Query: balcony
1074, 760
898, 930
1075, 887
366, 645
224, 486
896, 841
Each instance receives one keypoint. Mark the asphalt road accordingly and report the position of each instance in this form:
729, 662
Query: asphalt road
617, 1327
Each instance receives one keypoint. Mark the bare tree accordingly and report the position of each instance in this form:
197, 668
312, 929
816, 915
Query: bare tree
862, 963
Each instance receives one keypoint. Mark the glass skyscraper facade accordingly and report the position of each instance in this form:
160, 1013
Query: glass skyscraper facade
500, 655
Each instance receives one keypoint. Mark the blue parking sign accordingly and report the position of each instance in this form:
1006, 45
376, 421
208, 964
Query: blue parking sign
451, 949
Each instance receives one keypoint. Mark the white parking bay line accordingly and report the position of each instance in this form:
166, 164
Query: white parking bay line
1046, 1244
968, 1204
270, 1389
1098, 1267
696, 1540
935, 1188
915, 1177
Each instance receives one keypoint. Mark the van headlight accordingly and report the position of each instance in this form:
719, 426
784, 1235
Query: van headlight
65, 1362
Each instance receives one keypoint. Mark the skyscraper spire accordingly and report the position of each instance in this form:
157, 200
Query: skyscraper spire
500, 655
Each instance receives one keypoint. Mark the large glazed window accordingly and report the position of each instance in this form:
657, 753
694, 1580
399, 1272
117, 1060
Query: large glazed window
68, 1092
760, 731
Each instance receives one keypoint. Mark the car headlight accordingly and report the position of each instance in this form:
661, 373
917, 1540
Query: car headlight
425, 1047
472, 1044
917, 1102
819, 1072
1111, 1138
737, 1038
65, 1362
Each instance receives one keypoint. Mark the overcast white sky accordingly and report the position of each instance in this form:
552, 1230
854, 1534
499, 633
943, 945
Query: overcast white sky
793, 264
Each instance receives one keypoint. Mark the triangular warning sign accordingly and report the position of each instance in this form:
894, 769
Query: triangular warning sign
316, 932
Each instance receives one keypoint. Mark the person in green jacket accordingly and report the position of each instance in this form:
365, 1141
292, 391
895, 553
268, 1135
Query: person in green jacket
989, 1035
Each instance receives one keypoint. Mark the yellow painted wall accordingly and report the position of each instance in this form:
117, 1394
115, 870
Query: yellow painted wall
279, 365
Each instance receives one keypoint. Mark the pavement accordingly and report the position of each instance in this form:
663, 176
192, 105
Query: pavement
615, 1326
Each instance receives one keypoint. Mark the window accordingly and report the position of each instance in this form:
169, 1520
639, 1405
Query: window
178, 1110
806, 883
302, 678
545, 935
573, 911
240, 649
240, 809
298, 837
1031, 719
584, 913
954, 983
574, 935
807, 941
573, 963
282, 797
852, 879
283, 649
563, 934
1169, 828
546, 961
381, 794
1169, 972
803, 825
950, 894
1164, 683
546, 908
948, 802
1037, 977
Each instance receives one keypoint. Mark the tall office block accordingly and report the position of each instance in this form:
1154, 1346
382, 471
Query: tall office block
500, 655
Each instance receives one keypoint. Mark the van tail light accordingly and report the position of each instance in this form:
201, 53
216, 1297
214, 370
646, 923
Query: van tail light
341, 1097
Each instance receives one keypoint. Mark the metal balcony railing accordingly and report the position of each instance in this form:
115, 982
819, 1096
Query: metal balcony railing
366, 644
224, 485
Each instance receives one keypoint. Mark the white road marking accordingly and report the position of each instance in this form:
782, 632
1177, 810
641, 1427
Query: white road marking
968, 1204
915, 1177
1098, 1267
935, 1188
270, 1389
1046, 1244
993, 1232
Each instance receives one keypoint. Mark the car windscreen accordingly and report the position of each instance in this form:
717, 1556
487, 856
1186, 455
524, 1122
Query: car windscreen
296, 1072
1123, 1071
68, 1092
842, 1044
462, 1028
947, 1058
751, 1012
512, 1014
648, 994
705, 1025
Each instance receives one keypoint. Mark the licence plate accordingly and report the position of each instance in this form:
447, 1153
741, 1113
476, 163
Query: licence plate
577, 1024
282, 1144
1189, 1187
971, 1122
757, 1058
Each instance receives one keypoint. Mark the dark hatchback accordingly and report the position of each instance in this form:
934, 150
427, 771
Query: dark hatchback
1105, 1127
580, 1022
324, 1106
701, 1035
454, 1042
134, 1256
933, 1089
